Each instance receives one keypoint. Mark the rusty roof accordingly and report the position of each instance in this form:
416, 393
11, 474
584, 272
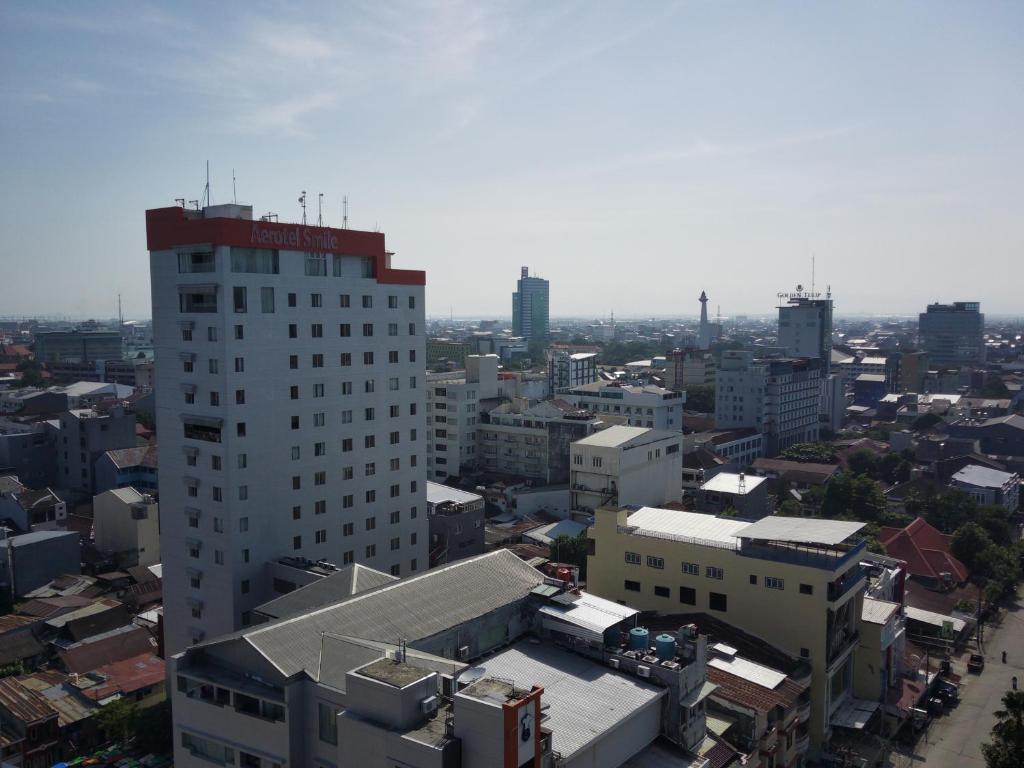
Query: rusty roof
127, 676
60, 694
107, 648
13, 621
749, 694
27, 706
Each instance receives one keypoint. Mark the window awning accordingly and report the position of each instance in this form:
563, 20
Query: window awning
854, 713
203, 421
197, 287
187, 387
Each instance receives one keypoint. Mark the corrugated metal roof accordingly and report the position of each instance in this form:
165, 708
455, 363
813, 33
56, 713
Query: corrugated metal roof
59, 694
721, 530
590, 612
804, 530
934, 619
585, 700
350, 580
766, 677
620, 436
438, 493
982, 477
547, 534
413, 608
729, 482
877, 611
25, 705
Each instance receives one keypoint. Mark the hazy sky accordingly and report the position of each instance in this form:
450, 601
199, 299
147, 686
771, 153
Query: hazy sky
633, 153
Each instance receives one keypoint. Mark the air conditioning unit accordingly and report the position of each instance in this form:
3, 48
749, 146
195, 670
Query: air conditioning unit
643, 670
675, 666
463, 652
613, 663
429, 705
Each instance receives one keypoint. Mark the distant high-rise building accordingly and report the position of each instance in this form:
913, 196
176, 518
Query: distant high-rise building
953, 335
530, 308
77, 346
805, 327
290, 402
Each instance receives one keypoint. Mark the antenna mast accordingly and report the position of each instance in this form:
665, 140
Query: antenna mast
206, 189
320, 210
812, 275
234, 189
302, 202
344, 212
120, 315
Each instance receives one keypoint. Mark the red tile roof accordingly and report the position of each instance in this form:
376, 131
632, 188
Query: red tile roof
925, 550
748, 694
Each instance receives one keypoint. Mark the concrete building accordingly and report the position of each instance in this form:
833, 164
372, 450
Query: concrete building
913, 370
567, 371
953, 335
626, 465
77, 346
852, 367
640, 405
29, 450
989, 486
1003, 436
530, 307
31, 509
533, 441
455, 404
290, 408
880, 649
805, 327
126, 524
136, 467
746, 495
447, 350
690, 368
779, 397
31, 560
85, 435
748, 574
456, 523
491, 665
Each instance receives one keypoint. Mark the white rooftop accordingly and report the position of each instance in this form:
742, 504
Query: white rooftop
622, 436
877, 611
801, 530
935, 619
584, 700
693, 525
438, 493
982, 477
547, 534
589, 612
752, 672
729, 482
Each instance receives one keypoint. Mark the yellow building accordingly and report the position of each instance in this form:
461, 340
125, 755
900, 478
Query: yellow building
795, 582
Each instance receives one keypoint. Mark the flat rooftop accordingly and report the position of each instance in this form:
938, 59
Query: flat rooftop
801, 530
585, 700
396, 673
729, 482
438, 494
627, 437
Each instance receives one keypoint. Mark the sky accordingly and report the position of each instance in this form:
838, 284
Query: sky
632, 153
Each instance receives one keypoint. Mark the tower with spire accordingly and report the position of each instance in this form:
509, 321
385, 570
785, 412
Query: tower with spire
704, 335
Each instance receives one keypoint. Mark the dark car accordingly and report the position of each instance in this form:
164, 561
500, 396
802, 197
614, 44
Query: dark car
976, 663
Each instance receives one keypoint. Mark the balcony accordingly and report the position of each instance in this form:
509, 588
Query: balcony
838, 646
770, 740
837, 589
810, 557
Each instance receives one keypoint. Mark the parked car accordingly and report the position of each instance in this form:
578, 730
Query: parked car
976, 663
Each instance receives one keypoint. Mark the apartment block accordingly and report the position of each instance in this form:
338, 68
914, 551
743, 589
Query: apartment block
805, 327
568, 370
455, 402
639, 405
690, 368
290, 404
126, 524
625, 465
77, 346
85, 435
953, 335
456, 523
747, 574
533, 441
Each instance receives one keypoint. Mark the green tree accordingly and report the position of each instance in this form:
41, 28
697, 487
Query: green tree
31, 373
854, 497
969, 543
863, 462
994, 387
572, 550
700, 398
118, 719
1007, 745
816, 453
791, 508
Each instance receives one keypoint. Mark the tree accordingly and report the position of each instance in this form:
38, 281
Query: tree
572, 550
700, 398
153, 729
118, 719
817, 453
791, 508
863, 462
31, 373
1007, 745
968, 544
854, 497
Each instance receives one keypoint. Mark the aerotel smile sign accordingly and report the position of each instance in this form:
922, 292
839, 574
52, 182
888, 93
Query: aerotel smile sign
299, 238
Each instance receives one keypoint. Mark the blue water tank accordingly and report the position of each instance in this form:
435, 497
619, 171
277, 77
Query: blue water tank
639, 639
665, 647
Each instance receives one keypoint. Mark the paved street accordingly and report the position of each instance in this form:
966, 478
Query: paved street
954, 740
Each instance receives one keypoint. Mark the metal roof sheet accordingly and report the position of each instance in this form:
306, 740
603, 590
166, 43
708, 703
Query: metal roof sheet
751, 671
585, 700
982, 477
692, 525
590, 612
935, 619
730, 482
413, 608
802, 530
350, 580
438, 493
876, 611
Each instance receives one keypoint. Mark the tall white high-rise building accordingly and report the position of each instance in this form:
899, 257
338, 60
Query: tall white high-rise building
805, 327
530, 307
290, 407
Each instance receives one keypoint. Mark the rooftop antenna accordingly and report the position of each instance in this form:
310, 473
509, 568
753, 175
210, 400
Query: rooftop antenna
180, 201
234, 188
206, 189
320, 210
120, 315
195, 203
344, 212
812, 275
302, 202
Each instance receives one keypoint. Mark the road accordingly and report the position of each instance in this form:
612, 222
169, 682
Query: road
954, 740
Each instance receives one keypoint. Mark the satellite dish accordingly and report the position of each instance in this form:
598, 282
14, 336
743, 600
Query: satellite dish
471, 675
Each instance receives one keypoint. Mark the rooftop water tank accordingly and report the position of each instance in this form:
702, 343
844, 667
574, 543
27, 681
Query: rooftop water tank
665, 647
639, 639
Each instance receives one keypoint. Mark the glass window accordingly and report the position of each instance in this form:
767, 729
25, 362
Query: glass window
260, 261
240, 298
266, 300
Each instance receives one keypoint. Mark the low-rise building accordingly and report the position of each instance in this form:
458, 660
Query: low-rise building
476, 664
748, 574
126, 524
85, 435
568, 370
640, 405
626, 465
456, 519
690, 368
1003, 436
31, 560
745, 495
28, 450
989, 486
31, 509
29, 731
136, 467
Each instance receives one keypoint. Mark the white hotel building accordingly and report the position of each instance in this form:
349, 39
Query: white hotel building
290, 408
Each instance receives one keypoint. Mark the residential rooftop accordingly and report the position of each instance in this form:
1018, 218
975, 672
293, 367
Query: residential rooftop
983, 477
732, 483
438, 493
620, 436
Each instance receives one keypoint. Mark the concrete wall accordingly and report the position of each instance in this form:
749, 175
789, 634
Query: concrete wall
554, 501
36, 563
117, 529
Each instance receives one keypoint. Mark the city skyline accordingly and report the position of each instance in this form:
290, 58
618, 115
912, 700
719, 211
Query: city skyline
757, 139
